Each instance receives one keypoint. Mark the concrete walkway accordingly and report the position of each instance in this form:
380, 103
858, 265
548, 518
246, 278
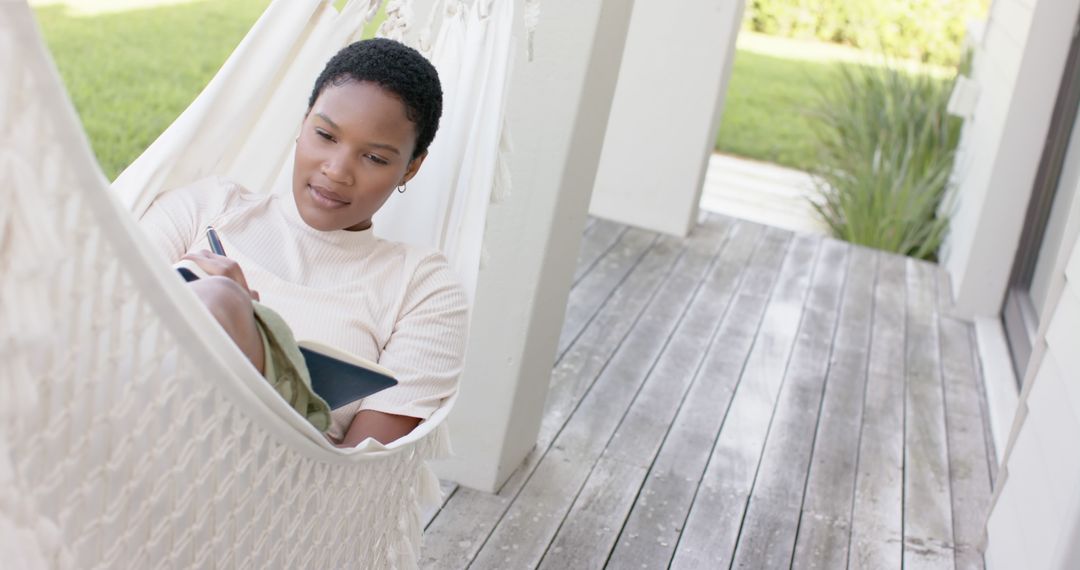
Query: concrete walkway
761, 192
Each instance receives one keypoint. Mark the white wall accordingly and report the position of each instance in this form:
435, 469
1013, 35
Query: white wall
666, 112
1035, 518
557, 114
1055, 226
1018, 68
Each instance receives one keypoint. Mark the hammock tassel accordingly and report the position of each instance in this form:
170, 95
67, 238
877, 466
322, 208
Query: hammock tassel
399, 18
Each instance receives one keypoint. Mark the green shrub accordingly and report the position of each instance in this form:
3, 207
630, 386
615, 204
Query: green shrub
887, 147
931, 31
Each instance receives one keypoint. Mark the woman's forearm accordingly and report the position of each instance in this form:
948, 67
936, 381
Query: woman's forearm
379, 425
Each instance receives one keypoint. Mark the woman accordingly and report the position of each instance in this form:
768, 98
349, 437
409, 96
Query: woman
312, 256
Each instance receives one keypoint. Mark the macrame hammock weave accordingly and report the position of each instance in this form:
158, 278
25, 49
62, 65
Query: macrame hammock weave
133, 434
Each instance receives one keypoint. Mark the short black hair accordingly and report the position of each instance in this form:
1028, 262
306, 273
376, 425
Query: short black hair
397, 68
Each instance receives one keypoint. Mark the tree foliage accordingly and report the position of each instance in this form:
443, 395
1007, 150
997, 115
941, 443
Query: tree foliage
931, 31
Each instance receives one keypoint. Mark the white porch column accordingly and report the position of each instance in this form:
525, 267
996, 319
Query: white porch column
1018, 68
557, 113
666, 112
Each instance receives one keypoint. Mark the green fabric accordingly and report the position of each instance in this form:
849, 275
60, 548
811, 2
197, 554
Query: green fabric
286, 370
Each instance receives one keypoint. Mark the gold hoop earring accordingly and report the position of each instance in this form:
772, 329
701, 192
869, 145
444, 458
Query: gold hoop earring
401, 189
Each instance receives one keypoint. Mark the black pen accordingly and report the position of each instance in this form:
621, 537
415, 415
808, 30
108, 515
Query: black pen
215, 242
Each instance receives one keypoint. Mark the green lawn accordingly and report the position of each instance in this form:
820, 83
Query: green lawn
131, 71
766, 113
772, 91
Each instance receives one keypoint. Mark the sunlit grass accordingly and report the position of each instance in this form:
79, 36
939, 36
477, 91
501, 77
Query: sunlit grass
773, 88
132, 66
767, 109
131, 73
78, 8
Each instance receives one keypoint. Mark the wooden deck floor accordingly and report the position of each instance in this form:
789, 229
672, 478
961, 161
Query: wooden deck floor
745, 397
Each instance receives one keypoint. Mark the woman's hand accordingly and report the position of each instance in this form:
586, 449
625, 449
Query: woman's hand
214, 264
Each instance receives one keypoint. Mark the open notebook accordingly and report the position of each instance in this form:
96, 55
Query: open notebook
337, 376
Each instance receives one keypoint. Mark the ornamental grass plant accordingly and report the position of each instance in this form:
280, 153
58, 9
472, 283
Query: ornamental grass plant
887, 147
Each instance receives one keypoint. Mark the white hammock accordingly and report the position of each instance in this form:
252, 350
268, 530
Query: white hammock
132, 432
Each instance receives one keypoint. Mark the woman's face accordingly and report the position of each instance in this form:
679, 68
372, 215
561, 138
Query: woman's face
354, 149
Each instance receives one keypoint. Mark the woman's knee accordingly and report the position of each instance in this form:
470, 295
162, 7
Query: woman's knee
225, 299
230, 305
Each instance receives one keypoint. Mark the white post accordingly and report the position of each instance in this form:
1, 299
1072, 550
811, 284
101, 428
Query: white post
666, 112
1018, 69
557, 114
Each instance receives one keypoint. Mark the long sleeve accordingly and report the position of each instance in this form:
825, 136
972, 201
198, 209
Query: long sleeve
175, 219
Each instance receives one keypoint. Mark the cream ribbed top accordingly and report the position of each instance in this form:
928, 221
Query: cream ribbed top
395, 304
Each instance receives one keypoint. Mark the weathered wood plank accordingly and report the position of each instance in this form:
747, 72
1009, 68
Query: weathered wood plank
589, 295
656, 520
822, 542
640, 433
768, 534
825, 523
591, 354
856, 322
579, 367
928, 532
767, 539
712, 527
564, 507
877, 513
946, 309
600, 236
461, 528
968, 452
946, 304
547, 495
593, 524
468, 519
